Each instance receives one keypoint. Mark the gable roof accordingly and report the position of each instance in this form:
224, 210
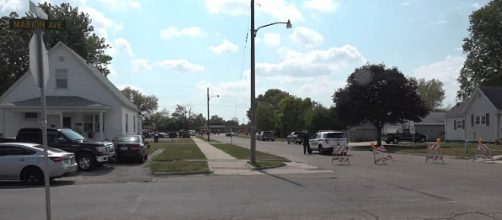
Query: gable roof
93, 70
494, 94
60, 101
433, 118
457, 109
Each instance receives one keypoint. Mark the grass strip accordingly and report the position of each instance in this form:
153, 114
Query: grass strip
263, 160
179, 155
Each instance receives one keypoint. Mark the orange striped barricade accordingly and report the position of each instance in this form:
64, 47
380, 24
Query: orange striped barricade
340, 155
434, 153
484, 152
380, 154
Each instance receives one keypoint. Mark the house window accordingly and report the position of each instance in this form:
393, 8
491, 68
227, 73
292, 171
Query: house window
477, 119
30, 115
61, 78
127, 122
483, 120
459, 124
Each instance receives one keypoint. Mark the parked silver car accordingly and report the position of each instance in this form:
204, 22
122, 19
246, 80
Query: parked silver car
24, 161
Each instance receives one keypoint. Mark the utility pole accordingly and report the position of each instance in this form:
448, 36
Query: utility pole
208, 131
252, 112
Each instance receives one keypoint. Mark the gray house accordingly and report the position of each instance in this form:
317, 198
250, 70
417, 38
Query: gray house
479, 117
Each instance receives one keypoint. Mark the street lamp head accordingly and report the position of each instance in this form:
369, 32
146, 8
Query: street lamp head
288, 24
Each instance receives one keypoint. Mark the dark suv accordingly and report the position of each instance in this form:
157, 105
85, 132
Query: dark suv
88, 153
266, 136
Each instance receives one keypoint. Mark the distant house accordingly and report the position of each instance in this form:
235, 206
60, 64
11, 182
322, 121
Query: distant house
432, 126
78, 96
479, 117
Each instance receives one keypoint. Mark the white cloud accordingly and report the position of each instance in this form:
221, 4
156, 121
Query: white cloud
322, 5
141, 65
121, 46
476, 5
307, 37
102, 24
440, 22
180, 65
113, 71
313, 63
447, 71
121, 4
278, 9
272, 39
404, 4
232, 7
225, 47
10, 5
174, 31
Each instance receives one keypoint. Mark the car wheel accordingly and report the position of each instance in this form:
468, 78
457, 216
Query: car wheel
85, 161
320, 149
32, 176
387, 141
422, 139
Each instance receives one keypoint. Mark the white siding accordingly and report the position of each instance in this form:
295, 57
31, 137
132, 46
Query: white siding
453, 134
480, 105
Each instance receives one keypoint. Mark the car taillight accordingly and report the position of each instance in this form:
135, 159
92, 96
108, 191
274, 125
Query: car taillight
57, 159
135, 147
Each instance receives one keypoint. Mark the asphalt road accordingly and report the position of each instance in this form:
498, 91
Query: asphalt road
406, 188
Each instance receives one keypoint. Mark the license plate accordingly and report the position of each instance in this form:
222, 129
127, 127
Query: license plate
123, 148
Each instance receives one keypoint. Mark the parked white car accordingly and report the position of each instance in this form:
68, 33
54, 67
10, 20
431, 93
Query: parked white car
325, 141
24, 161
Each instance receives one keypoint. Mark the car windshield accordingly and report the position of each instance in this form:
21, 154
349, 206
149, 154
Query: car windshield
134, 139
332, 135
72, 135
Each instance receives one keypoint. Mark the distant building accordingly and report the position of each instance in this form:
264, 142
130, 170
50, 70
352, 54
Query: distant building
478, 117
78, 96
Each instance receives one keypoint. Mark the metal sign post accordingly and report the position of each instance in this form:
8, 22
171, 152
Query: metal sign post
39, 67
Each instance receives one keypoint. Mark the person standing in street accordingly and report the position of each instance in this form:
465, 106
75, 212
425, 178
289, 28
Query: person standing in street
305, 142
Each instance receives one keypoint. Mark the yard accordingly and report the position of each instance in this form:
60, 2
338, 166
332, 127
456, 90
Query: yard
180, 155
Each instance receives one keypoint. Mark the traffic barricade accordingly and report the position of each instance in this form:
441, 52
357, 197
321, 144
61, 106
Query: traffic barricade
380, 154
434, 153
484, 152
340, 155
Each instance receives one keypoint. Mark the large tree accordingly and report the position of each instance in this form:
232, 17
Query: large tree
431, 92
79, 36
378, 95
483, 47
147, 105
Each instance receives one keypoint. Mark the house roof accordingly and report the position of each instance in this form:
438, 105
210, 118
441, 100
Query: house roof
60, 101
494, 94
93, 70
433, 118
458, 109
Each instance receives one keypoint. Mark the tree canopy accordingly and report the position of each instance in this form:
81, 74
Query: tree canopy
378, 95
431, 92
147, 105
483, 47
79, 36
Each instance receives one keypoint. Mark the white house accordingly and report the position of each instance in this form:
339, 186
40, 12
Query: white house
479, 117
78, 96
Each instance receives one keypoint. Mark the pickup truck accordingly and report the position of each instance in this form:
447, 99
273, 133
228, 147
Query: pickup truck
89, 153
295, 137
403, 135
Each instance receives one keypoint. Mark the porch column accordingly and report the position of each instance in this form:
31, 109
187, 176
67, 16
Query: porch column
61, 119
101, 130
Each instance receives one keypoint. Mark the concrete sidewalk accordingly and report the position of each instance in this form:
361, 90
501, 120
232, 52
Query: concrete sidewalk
221, 163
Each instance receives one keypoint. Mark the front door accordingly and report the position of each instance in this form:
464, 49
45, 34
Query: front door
66, 122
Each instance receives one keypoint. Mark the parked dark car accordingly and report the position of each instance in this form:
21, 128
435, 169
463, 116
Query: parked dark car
295, 137
131, 147
403, 135
266, 136
172, 134
184, 134
89, 153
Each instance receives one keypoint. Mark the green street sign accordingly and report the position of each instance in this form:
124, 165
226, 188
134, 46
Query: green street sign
31, 24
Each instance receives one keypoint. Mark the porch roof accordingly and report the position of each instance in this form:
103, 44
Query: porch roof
58, 101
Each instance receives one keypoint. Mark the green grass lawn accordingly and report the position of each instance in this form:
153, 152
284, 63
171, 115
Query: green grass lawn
179, 155
263, 160
450, 149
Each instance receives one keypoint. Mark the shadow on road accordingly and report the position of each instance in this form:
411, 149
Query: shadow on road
282, 178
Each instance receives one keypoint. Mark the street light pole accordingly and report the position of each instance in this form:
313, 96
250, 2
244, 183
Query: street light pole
208, 131
252, 113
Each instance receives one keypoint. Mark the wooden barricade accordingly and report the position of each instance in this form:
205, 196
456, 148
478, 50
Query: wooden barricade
434, 152
484, 152
380, 154
340, 155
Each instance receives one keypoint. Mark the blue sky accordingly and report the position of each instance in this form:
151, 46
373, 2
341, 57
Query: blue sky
176, 49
